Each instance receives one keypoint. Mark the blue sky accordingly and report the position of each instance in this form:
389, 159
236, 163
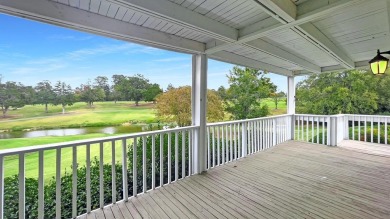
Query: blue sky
31, 52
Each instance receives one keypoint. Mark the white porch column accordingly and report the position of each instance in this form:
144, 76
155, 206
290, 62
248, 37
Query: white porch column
291, 105
199, 104
290, 95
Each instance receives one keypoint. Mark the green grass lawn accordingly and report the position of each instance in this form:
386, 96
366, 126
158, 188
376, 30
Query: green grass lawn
11, 166
309, 135
78, 115
282, 106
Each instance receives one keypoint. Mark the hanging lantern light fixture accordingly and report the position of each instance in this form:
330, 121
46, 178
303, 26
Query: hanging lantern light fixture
379, 63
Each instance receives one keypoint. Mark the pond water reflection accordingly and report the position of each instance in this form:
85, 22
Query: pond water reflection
71, 131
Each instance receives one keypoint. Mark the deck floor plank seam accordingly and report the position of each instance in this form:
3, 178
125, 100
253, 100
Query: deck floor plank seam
267, 190
177, 204
315, 194
231, 194
292, 180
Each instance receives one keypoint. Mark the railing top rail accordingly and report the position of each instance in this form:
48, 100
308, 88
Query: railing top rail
247, 120
321, 116
376, 116
341, 115
31, 149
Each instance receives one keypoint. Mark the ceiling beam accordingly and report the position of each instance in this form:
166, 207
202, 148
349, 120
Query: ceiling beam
274, 51
251, 63
176, 14
307, 12
66, 16
334, 68
313, 35
284, 9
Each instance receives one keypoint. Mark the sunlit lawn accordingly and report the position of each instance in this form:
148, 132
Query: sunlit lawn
11, 164
282, 106
78, 115
102, 114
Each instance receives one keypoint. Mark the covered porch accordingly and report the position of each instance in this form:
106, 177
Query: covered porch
292, 180
272, 167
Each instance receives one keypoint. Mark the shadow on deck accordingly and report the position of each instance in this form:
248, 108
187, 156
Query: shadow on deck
291, 180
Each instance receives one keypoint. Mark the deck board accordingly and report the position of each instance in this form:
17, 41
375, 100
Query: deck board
367, 147
292, 180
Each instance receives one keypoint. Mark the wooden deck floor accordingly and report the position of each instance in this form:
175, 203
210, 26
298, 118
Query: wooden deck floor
366, 147
291, 180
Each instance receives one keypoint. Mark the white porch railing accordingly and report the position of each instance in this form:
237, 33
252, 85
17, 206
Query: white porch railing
125, 142
312, 128
227, 141
332, 129
172, 155
367, 128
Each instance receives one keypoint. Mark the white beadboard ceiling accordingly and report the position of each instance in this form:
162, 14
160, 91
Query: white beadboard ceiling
286, 37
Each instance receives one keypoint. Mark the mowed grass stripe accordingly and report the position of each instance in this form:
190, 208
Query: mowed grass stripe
11, 163
78, 115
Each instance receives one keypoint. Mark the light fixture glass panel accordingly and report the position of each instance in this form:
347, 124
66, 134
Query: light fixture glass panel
382, 66
374, 67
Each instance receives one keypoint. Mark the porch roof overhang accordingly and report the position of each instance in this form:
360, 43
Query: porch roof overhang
288, 37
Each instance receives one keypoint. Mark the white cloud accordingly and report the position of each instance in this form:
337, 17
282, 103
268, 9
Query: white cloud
69, 37
100, 50
173, 59
35, 69
50, 64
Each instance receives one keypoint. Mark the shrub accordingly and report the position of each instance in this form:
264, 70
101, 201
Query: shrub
12, 192
314, 139
375, 134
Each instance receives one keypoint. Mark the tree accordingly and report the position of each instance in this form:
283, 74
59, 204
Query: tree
247, 87
170, 87
175, 106
63, 95
277, 96
45, 93
133, 87
116, 79
382, 89
222, 92
152, 92
12, 94
116, 89
349, 92
114, 94
102, 83
90, 93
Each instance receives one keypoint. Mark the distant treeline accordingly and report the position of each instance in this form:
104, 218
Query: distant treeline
347, 92
135, 88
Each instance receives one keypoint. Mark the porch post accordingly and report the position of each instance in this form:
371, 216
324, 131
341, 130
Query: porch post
199, 104
291, 105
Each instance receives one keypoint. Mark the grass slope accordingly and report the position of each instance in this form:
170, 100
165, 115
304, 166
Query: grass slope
31, 160
102, 114
78, 115
282, 106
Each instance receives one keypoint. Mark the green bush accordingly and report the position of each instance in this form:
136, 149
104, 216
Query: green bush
12, 192
314, 139
11, 183
375, 134
157, 159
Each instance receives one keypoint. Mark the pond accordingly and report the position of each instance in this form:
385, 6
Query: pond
71, 131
